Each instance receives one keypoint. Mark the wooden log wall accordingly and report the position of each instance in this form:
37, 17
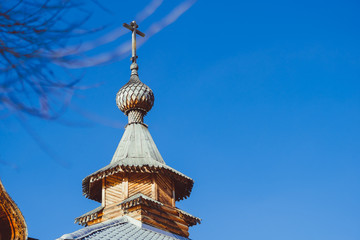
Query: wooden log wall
114, 189
140, 183
165, 189
164, 218
112, 211
119, 187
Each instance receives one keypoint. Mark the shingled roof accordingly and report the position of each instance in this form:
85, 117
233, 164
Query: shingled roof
123, 227
136, 152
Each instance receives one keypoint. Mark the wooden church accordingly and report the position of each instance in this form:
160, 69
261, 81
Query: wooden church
137, 190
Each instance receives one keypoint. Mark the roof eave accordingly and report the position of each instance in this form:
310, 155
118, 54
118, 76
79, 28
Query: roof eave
183, 184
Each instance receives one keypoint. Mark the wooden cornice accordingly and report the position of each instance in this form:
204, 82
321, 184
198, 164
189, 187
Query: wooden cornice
92, 185
146, 210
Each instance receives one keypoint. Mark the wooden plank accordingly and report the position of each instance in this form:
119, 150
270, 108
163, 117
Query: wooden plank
165, 191
165, 215
103, 197
114, 198
126, 186
140, 183
173, 195
113, 214
154, 188
165, 180
166, 221
116, 187
114, 180
92, 222
114, 193
157, 224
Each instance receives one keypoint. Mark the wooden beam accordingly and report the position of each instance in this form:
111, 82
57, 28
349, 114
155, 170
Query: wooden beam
173, 192
154, 223
154, 188
126, 186
103, 192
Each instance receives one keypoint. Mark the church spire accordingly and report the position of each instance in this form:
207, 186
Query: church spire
135, 99
137, 183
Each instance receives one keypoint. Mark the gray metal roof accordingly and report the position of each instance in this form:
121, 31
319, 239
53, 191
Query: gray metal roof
121, 228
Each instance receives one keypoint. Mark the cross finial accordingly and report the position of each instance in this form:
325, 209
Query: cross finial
133, 28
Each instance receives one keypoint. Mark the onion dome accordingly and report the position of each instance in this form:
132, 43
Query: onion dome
135, 95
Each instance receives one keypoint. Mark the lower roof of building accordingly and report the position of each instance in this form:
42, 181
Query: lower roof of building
123, 227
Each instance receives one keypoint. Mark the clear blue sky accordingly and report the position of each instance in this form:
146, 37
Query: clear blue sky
257, 101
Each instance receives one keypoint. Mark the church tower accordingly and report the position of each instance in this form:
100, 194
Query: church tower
136, 189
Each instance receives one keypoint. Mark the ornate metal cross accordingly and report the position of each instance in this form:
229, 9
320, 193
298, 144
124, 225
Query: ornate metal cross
133, 28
